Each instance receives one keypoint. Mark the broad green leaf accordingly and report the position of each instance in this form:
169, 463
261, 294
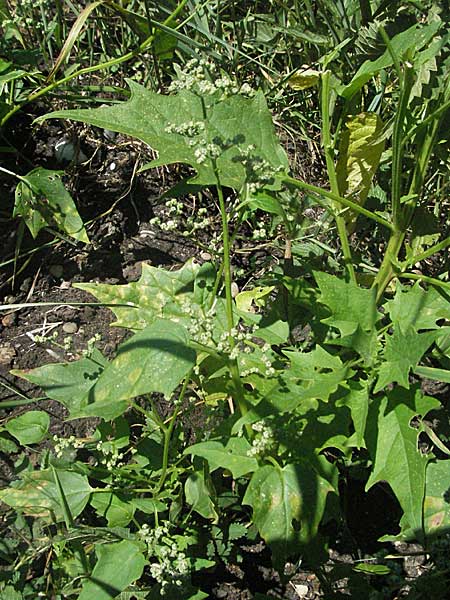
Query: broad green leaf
416, 37
29, 428
198, 495
37, 494
114, 507
401, 354
45, 201
318, 373
288, 505
393, 444
416, 308
233, 456
147, 116
349, 304
118, 566
159, 293
359, 156
314, 375
155, 359
68, 383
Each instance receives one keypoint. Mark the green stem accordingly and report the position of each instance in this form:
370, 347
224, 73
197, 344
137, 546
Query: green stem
431, 280
328, 147
436, 248
168, 433
110, 63
233, 365
314, 189
386, 271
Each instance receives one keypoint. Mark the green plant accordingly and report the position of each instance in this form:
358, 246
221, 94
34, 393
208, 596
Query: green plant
291, 414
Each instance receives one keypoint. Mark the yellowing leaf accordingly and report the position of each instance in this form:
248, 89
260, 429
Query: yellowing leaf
359, 155
302, 80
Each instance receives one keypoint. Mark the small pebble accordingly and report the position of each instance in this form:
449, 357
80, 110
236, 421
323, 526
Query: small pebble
9, 320
26, 284
301, 589
205, 256
65, 285
112, 166
234, 289
7, 354
56, 270
70, 327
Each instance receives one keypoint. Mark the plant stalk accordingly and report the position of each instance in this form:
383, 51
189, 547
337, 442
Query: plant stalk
328, 147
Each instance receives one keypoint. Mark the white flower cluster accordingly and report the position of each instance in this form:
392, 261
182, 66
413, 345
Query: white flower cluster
201, 326
205, 151
264, 442
111, 457
259, 172
202, 77
61, 444
176, 221
189, 129
171, 566
259, 234
90, 345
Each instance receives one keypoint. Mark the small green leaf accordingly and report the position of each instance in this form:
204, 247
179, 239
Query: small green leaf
393, 445
118, 566
117, 510
44, 200
357, 401
29, 428
401, 354
233, 456
416, 308
199, 492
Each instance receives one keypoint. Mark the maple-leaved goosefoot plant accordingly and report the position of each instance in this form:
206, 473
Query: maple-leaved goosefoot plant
300, 411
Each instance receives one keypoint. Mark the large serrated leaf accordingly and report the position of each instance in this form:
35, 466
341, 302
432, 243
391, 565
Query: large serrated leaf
393, 445
158, 293
402, 353
147, 116
288, 505
44, 201
118, 566
359, 156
